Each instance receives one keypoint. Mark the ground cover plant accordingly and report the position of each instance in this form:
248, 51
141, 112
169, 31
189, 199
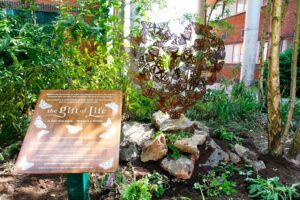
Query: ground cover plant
272, 188
212, 185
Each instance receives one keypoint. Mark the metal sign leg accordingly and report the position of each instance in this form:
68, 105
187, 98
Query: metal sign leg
78, 186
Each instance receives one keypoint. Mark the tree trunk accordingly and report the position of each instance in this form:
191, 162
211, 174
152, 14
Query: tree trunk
295, 148
261, 54
274, 116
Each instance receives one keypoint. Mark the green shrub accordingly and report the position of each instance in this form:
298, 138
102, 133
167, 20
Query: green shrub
272, 189
285, 61
241, 104
27, 65
140, 107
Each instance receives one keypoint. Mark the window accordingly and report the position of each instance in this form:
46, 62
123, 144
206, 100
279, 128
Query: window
45, 17
229, 52
241, 6
218, 11
42, 17
234, 53
9, 11
237, 52
286, 44
232, 9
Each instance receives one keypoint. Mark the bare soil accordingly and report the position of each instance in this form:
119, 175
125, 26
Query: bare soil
53, 187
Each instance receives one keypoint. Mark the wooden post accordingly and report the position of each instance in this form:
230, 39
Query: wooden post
78, 186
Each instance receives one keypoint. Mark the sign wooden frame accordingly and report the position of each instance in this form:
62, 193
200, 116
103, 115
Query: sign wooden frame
72, 131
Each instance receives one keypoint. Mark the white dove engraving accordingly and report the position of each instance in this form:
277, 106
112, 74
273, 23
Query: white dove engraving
24, 164
42, 133
107, 164
107, 123
108, 134
112, 106
39, 122
73, 129
44, 105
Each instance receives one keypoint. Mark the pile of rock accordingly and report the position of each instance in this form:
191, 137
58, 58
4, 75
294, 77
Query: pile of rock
136, 143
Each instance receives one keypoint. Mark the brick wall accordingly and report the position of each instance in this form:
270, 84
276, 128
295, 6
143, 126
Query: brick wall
238, 22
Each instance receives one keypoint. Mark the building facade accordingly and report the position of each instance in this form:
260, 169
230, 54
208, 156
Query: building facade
236, 14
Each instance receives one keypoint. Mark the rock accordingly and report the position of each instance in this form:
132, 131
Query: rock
249, 157
200, 127
159, 118
164, 123
129, 153
190, 145
257, 165
245, 152
182, 168
133, 136
139, 172
217, 156
234, 158
155, 149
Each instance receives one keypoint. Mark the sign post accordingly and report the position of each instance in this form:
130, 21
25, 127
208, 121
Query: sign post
73, 132
78, 186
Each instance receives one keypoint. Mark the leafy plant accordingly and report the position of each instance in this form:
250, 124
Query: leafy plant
239, 105
143, 188
158, 183
272, 189
27, 65
140, 107
137, 190
9, 151
224, 134
212, 185
230, 169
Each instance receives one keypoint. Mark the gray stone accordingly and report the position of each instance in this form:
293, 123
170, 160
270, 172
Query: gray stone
217, 156
249, 157
257, 165
245, 152
200, 127
190, 145
234, 158
164, 123
182, 168
133, 136
155, 149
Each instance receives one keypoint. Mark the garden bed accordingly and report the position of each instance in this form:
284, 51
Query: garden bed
54, 186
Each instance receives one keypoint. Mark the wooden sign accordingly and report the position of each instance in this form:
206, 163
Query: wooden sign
73, 132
